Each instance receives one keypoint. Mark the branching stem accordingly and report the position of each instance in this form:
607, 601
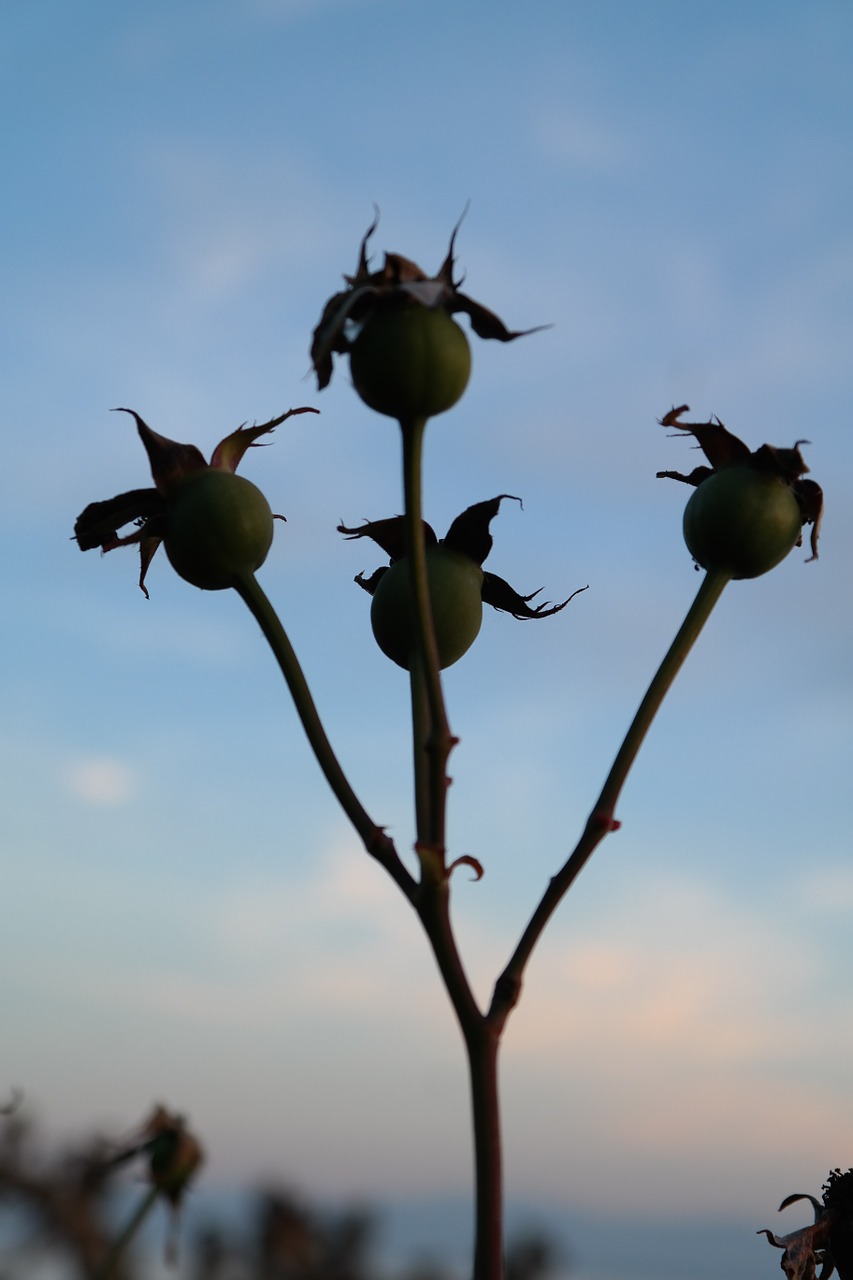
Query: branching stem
432, 745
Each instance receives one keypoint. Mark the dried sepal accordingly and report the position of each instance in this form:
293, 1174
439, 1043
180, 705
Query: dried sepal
388, 534
501, 596
469, 535
810, 497
370, 584
398, 278
229, 452
720, 447
98, 524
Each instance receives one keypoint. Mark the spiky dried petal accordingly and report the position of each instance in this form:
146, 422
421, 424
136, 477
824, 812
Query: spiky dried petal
170, 461
99, 523
501, 596
720, 447
229, 452
469, 532
370, 584
388, 534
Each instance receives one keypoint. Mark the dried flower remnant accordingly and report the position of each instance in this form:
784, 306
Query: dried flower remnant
408, 357
173, 1157
174, 1154
828, 1242
213, 522
459, 587
749, 508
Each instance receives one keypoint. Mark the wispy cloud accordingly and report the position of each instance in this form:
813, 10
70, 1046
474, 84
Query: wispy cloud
103, 781
577, 140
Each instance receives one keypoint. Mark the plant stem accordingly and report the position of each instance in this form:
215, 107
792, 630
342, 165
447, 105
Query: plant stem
601, 820
430, 762
374, 838
483, 1044
421, 721
439, 742
432, 745
114, 1257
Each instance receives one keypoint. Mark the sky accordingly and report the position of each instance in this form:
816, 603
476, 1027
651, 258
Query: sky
187, 917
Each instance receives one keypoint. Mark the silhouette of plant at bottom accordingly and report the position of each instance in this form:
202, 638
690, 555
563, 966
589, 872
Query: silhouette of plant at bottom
65, 1206
291, 1240
828, 1242
64, 1203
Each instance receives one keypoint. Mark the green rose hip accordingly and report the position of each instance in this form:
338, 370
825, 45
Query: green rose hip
742, 521
749, 507
455, 590
410, 361
220, 527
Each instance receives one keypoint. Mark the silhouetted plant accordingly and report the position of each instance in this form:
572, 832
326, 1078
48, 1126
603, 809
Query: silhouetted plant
409, 360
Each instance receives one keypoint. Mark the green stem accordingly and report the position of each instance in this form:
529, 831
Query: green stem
374, 838
420, 733
432, 745
601, 820
439, 741
482, 1046
114, 1257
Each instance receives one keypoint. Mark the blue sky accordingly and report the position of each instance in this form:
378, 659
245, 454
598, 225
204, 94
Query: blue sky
187, 917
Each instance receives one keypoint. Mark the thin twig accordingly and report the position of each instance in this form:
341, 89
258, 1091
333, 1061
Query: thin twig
374, 838
601, 820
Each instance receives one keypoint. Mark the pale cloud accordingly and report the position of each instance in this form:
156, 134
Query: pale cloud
679, 971
828, 888
579, 141
224, 241
281, 10
674, 977
670, 1020
283, 951
103, 781
684, 1022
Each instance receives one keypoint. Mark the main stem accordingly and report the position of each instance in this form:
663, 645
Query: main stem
482, 1047
482, 1041
432, 745
432, 754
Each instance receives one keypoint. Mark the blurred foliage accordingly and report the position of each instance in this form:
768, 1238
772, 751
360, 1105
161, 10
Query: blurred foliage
61, 1211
